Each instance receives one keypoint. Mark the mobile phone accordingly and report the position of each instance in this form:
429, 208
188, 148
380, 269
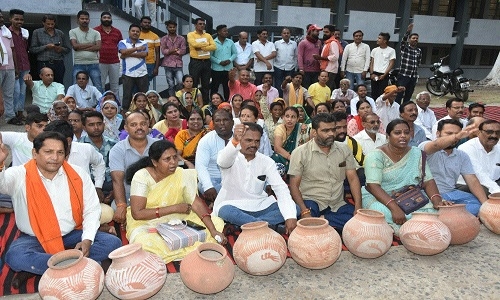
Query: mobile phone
57, 44
194, 225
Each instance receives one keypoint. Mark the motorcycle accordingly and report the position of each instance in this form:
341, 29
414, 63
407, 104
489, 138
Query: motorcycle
446, 81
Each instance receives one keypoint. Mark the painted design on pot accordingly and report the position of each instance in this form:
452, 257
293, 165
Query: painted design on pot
424, 234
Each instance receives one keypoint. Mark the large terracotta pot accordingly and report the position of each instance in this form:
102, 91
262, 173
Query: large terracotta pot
135, 273
314, 244
490, 213
207, 270
71, 276
367, 234
463, 225
424, 234
259, 250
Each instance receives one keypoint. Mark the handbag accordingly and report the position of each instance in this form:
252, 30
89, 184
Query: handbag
412, 197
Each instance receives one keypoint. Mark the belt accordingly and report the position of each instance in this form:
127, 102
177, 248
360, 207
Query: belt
200, 59
51, 61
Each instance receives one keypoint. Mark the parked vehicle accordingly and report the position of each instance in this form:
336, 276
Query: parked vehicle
446, 81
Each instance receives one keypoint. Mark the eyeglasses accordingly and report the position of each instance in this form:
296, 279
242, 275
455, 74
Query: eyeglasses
491, 132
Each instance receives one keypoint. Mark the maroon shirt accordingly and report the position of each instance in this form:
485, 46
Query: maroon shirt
109, 45
21, 46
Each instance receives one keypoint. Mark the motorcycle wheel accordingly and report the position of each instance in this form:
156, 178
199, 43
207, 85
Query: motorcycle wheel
434, 87
462, 95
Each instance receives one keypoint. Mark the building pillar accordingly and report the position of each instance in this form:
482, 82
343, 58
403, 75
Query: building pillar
462, 17
340, 20
404, 15
266, 12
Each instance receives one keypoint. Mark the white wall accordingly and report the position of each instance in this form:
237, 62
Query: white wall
371, 23
292, 16
55, 7
434, 29
231, 14
479, 36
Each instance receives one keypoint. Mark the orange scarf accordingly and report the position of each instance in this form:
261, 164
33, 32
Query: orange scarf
326, 51
43, 219
292, 96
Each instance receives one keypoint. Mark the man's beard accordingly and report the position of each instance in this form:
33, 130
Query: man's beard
340, 137
107, 23
372, 131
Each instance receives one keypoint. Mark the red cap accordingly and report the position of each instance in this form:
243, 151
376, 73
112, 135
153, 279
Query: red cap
314, 27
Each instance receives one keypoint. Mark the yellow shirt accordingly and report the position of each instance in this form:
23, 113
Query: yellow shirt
153, 41
204, 42
319, 93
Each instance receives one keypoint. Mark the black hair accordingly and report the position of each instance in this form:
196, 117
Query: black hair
82, 72
170, 22
133, 113
222, 111
297, 73
254, 127
145, 18
476, 105
325, 104
36, 117
330, 27
339, 116
105, 13
246, 103
360, 85
450, 101
199, 19
448, 121
334, 102
52, 135
385, 35
275, 104
219, 27
186, 76
76, 111
155, 152
13, 12
325, 118
260, 30
358, 104
252, 108
392, 124
413, 34
133, 25
292, 108
48, 17
165, 106
31, 108
220, 96
196, 111
405, 104
486, 122
82, 13
91, 114
61, 126
358, 31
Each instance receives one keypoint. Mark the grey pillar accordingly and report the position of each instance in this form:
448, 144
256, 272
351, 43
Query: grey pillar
340, 20
404, 12
266, 12
462, 17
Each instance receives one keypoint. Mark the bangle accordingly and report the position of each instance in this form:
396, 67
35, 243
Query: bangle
121, 204
305, 212
437, 196
157, 211
205, 215
235, 143
389, 201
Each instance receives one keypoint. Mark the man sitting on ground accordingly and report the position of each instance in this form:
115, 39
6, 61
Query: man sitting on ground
245, 173
387, 109
44, 91
370, 138
426, 117
408, 111
455, 108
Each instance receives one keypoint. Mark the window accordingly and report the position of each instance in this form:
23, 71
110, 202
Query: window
468, 57
438, 52
488, 57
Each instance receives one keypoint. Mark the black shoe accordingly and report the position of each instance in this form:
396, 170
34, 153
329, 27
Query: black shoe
20, 279
15, 121
280, 228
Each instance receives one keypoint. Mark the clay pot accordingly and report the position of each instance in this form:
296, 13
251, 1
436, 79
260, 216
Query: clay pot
490, 213
135, 273
71, 276
367, 234
424, 234
463, 225
207, 270
314, 244
259, 250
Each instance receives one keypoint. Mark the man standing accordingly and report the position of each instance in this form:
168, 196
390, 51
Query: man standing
222, 61
153, 42
44, 91
410, 60
308, 49
408, 111
109, 63
86, 95
244, 59
50, 45
447, 164
55, 207
317, 172
241, 86
134, 72
20, 39
355, 60
245, 174
264, 54
285, 62
123, 154
361, 91
209, 175
381, 63
173, 47
330, 55
86, 43
319, 91
200, 45
426, 117
370, 138
455, 108
8, 73
267, 85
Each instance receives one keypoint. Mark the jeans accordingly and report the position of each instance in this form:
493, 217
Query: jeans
472, 204
150, 68
94, 72
57, 67
354, 77
7, 82
279, 76
378, 86
409, 84
20, 92
171, 74
26, 253
336, 219
113, 72
218, 78
239, 217
201, 70
129, 83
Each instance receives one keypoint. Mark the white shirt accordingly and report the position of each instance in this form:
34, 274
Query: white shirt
264, 50
83, 155
85, 98
265, 143
244, 55
485, 164
426, 119
435, 126
366, 142
286, 55
385, 112
381, 58
206, 159
355, 100
13, 183
241, 187
356, 58
19, 145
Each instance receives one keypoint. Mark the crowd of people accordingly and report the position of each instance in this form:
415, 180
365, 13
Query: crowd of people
294, 134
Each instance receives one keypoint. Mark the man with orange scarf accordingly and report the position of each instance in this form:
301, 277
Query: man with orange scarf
52, 211
329, 58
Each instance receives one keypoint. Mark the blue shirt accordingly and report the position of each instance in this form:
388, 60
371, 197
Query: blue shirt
224, 51
133, 66
418, 136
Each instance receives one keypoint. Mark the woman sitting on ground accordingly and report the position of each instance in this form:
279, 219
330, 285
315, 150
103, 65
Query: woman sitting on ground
355, 125
186, 141
187, 86
113, 122
172, 123
161, 191
390, 168
58, 111
140, 102
209, 109
70, 102
303, 116
272, 117
156, 102
236, 102
322, 108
